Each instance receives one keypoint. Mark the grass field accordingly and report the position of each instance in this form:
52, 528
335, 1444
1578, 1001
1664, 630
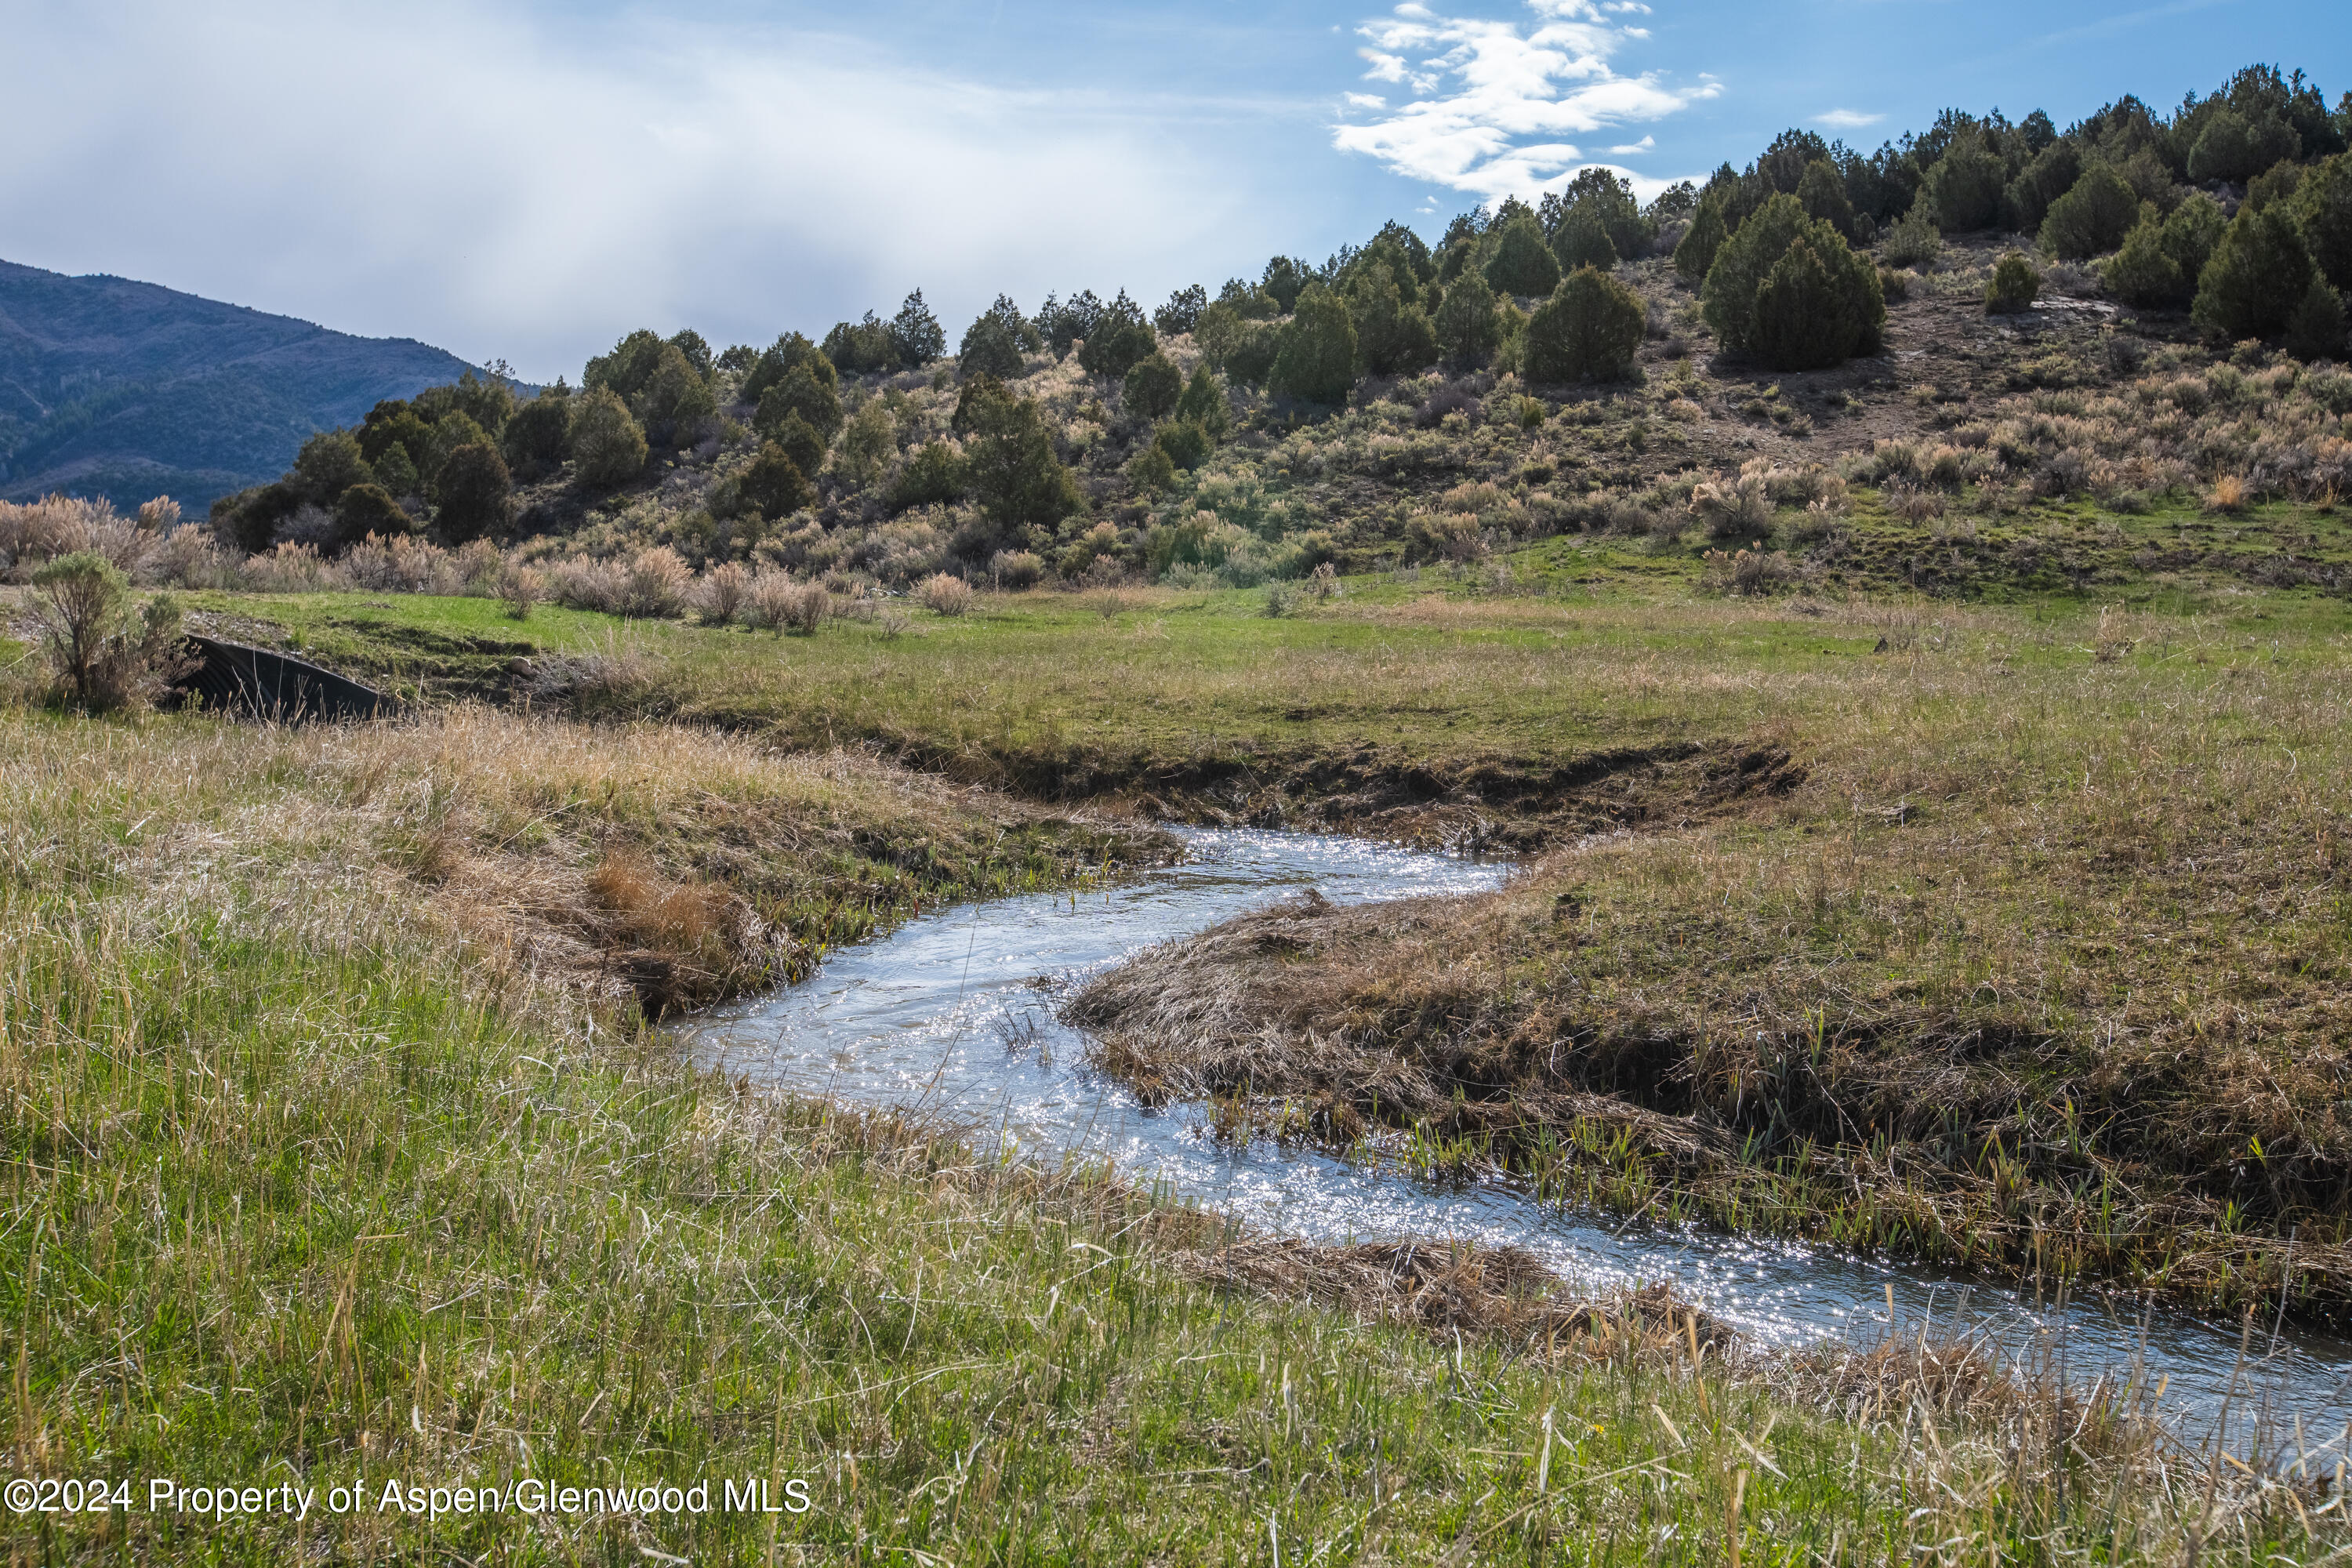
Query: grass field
337, 1148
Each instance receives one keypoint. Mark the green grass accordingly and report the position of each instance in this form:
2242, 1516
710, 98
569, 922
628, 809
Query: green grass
305, 1183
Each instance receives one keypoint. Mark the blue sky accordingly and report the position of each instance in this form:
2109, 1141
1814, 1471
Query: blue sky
529, 181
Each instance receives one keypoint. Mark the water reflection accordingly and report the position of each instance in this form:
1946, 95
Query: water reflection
955, 1011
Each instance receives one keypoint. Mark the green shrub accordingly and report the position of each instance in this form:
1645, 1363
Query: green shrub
2234, 149
932, 476
1588, 331
2314, 331
450, 432
1187, 445
696, 349
1467, 325
1391, 336
1914, 240
1609, 198
2013, 286
536, 438
369, 508
1823, 193
487, 401
2258, 276
2093, 218
862, 347
393, 423
473, 493
105, 655
1965, 187
1203, 403
1315, 359
1518, 262
1153, 384
1823, 310
1182, 310
1150, 471
1582, 239
2141, 273
2321, 205
774, 485
608, 447
1286, 277
1250, 362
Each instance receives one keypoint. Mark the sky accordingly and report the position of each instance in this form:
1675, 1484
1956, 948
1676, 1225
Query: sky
528, 181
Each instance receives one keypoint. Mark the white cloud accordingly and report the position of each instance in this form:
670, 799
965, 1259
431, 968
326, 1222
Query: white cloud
1847, 118
1646, 144
505, 180
1365, 100
1495, 97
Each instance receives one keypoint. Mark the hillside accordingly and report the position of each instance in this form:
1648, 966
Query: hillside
123, 389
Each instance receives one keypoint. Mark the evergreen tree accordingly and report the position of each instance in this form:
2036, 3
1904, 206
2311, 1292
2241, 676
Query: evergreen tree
2051, 174
2091, 218
330, 463
1821, 192
1151, 387
472, 494
989, 348
867, 442
915, 333
934, 475
1695, 252
608, 447
1469, 328
783, 356
1186, 444
1607, 197
1967, 184
1518, 261
369, 508
1011, 467
628, 367
538, 436
1181, 312
1848, 310
2258, 274
1589, 330
697, 351
2315, 330
801, 441
397, 472
1391, 336
1121, 336
1283, 278
1203, 403
806, 393
2141, 273
774, 485
2012, 287
2191, 234
1315, 358
675, 399
2321, 205
1582, 239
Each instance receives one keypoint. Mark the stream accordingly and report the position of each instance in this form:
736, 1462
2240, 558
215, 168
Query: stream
955, 1013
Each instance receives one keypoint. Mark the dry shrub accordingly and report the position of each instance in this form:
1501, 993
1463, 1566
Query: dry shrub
107, 653
293, 569
2229, 495
616, 672
1323, 582
774, 601
721, 594
519, 588
1109, 603
478, 563
1734, 509
945, 595
1913, 503
1444, 536
1445, 1286
405, 565
580, 584
187, 557
1747, 571
656, 583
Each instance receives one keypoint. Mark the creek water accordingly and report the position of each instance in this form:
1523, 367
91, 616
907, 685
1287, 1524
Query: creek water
956, 1013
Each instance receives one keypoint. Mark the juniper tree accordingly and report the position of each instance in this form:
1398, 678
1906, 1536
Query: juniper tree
1696, 251
1814, 318
1151, 387
1182, 310
2258, 275
1582, 239
608, 447
1203, 403
1589, 330
2091, 218
1469, 328
1518, 260
774, 485
1314, 357
472, 493
1391, 336
915, 333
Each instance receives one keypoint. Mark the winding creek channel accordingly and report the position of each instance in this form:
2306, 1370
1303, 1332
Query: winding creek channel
955, 1013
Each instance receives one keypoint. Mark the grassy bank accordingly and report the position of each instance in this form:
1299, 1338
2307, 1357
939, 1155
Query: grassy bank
328, 1161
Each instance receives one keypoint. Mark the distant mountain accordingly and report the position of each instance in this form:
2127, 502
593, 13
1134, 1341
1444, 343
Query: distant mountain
129, 390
